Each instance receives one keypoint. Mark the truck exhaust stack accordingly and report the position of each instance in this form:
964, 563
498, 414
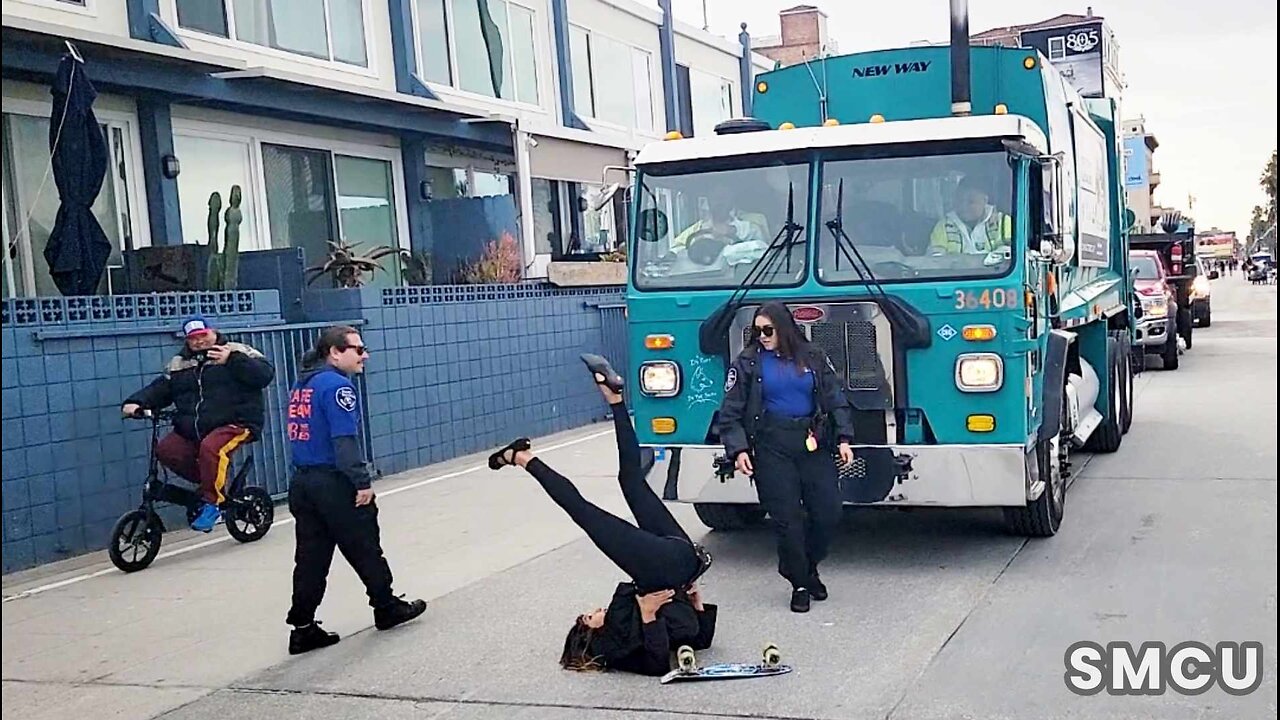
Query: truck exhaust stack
960, 98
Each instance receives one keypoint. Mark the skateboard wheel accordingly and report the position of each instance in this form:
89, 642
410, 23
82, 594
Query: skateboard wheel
686, 659
772, 656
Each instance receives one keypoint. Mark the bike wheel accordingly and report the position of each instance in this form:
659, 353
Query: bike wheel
250, 515
135, 541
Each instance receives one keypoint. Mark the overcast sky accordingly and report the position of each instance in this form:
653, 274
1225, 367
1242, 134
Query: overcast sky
1202, 73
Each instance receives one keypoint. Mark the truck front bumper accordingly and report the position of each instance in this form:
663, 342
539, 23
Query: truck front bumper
1153, 332
907, 475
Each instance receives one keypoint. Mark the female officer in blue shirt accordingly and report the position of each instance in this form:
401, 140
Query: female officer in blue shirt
330, 497
784, 408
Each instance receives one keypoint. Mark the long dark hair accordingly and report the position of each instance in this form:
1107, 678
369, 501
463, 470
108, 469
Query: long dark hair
332, 337
578, 654
791, 342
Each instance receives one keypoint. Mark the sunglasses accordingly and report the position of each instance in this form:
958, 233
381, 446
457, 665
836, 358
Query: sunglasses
758, 330
360, 349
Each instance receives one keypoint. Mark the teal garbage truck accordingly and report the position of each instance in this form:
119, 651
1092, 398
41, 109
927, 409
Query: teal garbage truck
946, 223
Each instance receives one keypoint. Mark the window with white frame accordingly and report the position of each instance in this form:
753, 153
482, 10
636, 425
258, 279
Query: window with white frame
326, 29
1057, 48
293, 194
601, 91
486, 47
31, 199
712, 100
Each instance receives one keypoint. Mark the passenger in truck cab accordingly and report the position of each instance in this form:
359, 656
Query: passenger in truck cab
721, 221
973, 227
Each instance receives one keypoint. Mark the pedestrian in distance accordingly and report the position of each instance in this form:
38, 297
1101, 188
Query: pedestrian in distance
784, 413
661, 608
331, 496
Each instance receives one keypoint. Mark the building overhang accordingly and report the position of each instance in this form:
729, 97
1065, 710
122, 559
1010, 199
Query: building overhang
30, 50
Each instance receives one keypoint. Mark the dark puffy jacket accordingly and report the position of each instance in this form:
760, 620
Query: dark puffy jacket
206, 396
744, 401
631, 645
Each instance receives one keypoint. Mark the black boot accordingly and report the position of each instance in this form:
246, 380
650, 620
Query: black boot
800, 600
310, 637
817, 590
397, 613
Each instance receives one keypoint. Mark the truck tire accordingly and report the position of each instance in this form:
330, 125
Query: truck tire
1106, 438
1043, 516
1207, 320
1121, 339
1170, 353
728, 516
1185, 326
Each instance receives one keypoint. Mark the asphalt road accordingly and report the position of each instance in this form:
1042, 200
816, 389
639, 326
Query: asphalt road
932, 614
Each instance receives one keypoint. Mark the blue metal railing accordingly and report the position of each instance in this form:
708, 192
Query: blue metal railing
284, 345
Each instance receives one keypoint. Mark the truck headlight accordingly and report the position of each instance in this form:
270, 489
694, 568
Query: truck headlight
1156, 308
1200, 287
979, 372
660, 378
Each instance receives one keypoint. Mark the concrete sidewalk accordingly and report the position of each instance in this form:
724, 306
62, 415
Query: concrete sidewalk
82, 638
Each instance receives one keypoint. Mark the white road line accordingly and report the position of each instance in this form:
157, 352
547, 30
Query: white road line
287, 521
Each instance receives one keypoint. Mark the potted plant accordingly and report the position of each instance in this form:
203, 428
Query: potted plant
348, 267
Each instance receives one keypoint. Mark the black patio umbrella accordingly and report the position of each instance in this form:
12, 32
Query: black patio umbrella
78, 249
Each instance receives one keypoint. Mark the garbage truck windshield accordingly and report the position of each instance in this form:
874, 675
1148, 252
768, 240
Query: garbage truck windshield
710, 228
917, 218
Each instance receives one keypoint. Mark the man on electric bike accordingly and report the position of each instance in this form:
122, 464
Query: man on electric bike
216, 388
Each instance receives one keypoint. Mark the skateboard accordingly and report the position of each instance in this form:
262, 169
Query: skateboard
687, 669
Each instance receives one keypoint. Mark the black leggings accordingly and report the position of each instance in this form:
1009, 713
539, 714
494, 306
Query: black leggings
656, 555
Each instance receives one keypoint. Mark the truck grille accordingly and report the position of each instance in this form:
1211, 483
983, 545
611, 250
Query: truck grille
853, 350
850, 334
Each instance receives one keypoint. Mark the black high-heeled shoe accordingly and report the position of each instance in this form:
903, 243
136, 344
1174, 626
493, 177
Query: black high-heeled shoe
499, 460
602, 372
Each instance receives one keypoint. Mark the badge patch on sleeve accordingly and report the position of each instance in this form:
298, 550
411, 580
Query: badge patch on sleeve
731, 379
346, 398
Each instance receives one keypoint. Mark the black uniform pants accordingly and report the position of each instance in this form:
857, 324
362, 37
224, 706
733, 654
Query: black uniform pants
656, 555
800, 490
323, 503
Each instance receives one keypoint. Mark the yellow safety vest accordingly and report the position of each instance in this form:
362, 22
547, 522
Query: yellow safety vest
953, 237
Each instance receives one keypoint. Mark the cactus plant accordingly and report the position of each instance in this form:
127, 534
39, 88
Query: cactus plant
213, 276
224, 264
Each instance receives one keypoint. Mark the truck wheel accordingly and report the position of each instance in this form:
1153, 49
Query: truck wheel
1207, 320
1107, 436
1126, 380
1170, 354
727, 516
1043, 516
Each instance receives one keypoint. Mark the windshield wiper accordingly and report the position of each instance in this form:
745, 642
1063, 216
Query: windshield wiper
713, 334
860, 265
906, 321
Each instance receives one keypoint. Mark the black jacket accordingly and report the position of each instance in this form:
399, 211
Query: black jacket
744, 401
206, 396
631, 645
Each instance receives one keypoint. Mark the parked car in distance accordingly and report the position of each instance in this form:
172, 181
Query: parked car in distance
1201, 292
1157, 329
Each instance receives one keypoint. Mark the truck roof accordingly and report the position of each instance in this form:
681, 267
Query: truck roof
886, 133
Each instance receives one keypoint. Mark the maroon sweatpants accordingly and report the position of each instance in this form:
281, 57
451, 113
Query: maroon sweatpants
208, 463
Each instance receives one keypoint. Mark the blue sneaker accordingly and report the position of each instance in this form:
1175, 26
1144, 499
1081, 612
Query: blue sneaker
208, 517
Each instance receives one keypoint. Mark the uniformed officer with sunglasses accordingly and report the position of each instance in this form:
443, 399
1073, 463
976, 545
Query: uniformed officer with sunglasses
783, 418
331, 496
